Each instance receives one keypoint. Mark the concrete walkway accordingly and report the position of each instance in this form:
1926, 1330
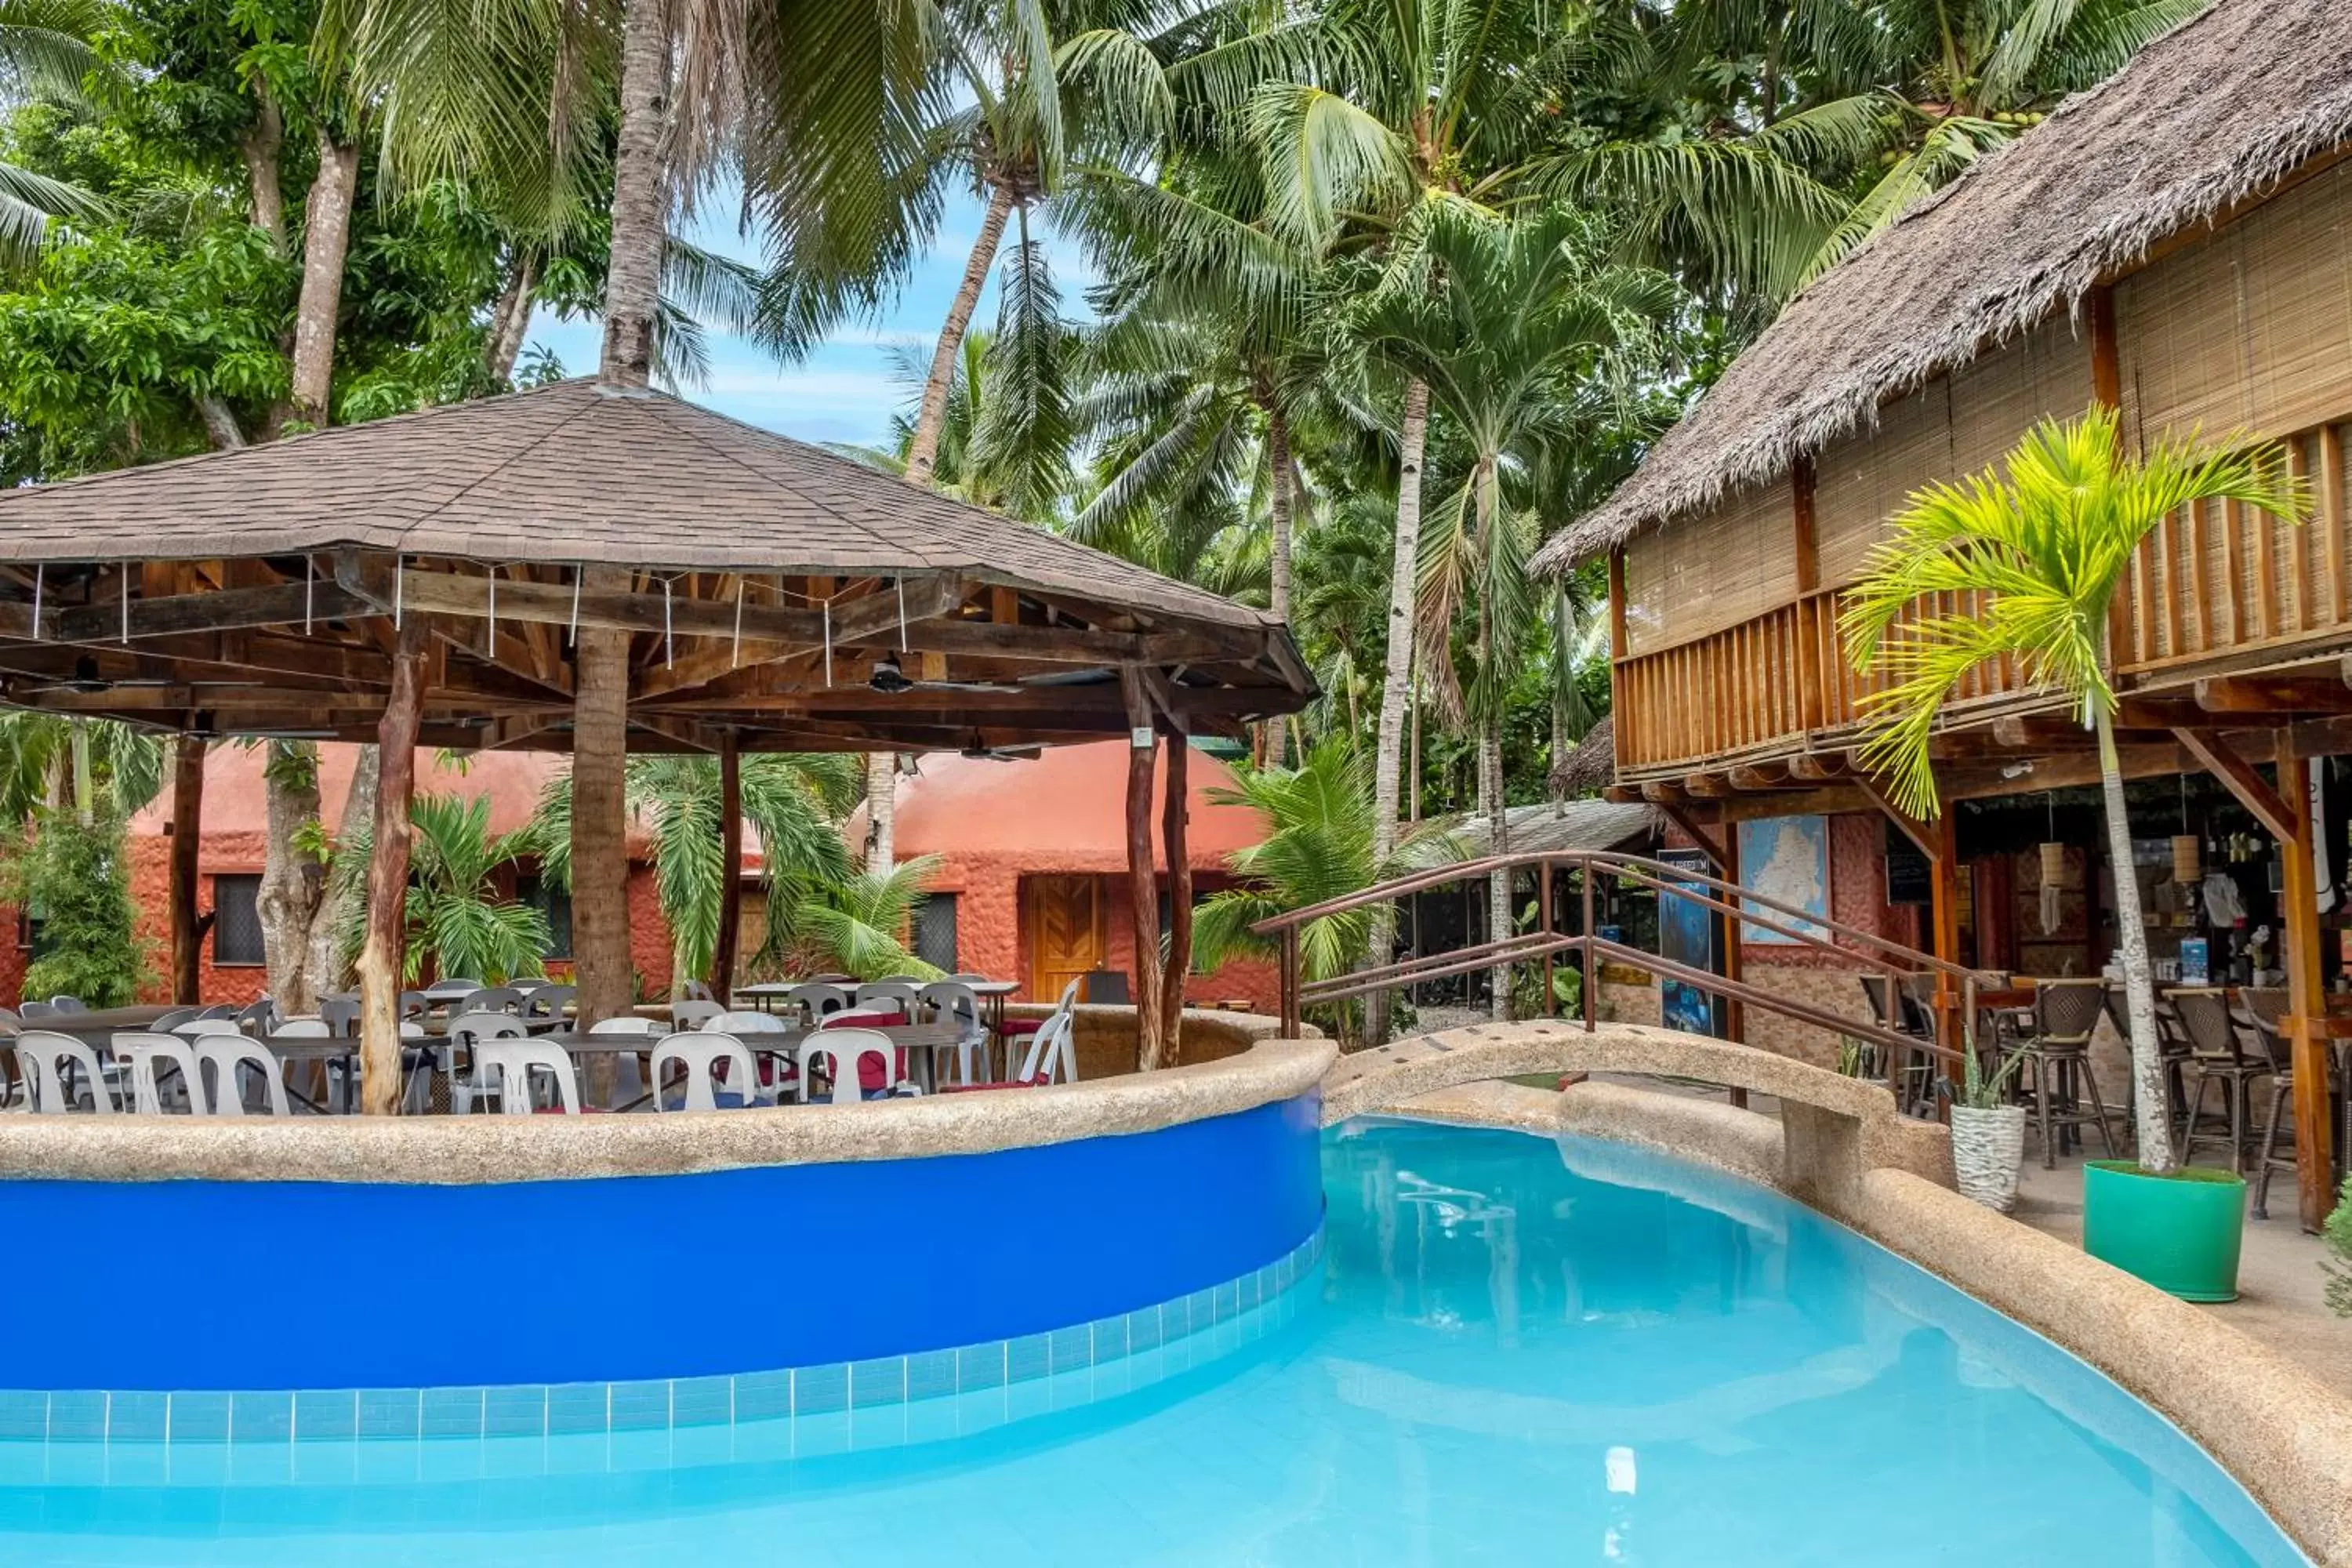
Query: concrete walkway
2282, 1291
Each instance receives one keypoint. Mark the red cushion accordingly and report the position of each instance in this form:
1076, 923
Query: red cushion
1021, 1026
869, 1077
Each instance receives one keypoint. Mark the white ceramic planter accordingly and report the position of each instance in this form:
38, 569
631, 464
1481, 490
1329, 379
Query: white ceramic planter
1987, 1146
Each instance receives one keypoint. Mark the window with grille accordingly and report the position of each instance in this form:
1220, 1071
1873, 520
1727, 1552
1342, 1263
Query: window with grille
236, 919
935, 931
555, 904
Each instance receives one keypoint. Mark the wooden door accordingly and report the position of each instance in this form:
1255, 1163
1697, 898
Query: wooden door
1069, 932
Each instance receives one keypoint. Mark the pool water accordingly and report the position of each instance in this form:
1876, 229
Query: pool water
1516, 1350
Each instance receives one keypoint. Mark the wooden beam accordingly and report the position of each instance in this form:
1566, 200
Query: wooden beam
275, 604
187, 839
2306, 1026
1932, 841
1682, 816
1707, 786
2106, 352
2264, 695
2221, 760
380, 965
1816, 767
1759, 776
731, 869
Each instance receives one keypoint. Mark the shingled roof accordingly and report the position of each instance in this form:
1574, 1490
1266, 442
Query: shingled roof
2208, 116
569, 473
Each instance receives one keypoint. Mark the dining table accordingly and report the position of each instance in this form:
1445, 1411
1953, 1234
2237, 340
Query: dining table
921, 1042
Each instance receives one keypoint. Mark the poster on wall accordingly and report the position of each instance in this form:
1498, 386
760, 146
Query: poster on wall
1787, 858
1686, 936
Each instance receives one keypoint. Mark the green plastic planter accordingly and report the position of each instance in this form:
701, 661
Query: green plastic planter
2180, 1233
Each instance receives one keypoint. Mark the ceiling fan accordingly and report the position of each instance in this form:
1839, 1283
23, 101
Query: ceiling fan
890, 679
981, 752
86, 680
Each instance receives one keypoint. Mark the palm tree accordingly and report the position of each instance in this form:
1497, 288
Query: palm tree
456, 916
795, 801
1518, 330
854, 923
1318, 846
44, 53
2050, 538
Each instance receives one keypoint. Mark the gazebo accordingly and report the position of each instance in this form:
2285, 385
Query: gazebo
427, 579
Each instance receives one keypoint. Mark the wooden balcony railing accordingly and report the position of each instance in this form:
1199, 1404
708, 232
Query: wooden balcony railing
2211, 584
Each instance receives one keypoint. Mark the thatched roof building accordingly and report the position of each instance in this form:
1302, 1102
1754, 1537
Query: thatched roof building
1590, 766
2208, 117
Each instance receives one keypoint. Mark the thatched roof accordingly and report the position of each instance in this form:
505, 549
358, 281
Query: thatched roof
2209, 115
777, 596
1591, 766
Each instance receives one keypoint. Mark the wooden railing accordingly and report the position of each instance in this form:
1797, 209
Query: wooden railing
1765, 686
2211, 584
1956, 985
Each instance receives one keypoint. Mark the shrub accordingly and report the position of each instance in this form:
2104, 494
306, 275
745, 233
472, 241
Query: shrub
78, 879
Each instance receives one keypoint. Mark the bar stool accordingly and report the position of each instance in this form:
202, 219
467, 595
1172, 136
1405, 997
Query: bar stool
2261, 1008
2173, 1054
2058, 1052
2222, 1057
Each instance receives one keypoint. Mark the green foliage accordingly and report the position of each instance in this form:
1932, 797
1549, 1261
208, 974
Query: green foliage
2048, 537
456, 916
2339, 1242
853, 924
1318, 847
75, 879
1980, 1091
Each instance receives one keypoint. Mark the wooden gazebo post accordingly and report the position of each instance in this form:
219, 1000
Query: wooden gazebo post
387, 881
187, 834
1142, 883
731, 867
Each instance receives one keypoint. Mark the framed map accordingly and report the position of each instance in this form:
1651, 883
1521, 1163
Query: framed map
1787, 858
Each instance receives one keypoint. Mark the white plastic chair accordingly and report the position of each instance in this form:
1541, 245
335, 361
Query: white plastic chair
750, 1022
1052, 1056
883, 992
699, 1052
141, 1052
224, 1052
67, 1004
492, 999
844, 1052
474, 1030
258, 1016
172, 1020
45, 1056
950, 1002
542, 1003
36, 1010
504, 1068
688, 1014
628, 1067
201, 1026
817, 999
341, 1016
694, 991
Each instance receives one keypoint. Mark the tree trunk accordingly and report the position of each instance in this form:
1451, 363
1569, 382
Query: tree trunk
2139, 979
1277, 454
326, 238
923, 447
1142, 885
326, 962
640, 201
1396, 684
260, 146
187, 838
600, 853
511, 317
1175, 812
881, 810
731, 869
288, 900
381, 957
220, 422
1492, 802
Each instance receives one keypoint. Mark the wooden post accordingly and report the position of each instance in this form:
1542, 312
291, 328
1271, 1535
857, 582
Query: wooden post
1807, 546
1543, 923
1174, 811
1142, 886
187, 838
387, 883
1735, 933
731, 869
2307, 1026
1945, 911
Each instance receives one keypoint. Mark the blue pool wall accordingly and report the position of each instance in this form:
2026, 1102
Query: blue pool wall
276, 1285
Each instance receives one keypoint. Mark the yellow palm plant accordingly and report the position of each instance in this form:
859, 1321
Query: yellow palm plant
2046, 540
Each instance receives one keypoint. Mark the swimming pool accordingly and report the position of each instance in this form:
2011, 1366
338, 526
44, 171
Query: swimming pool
1507, 1349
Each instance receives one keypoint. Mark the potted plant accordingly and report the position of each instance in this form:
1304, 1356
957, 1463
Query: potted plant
1988, 1133
2047, 539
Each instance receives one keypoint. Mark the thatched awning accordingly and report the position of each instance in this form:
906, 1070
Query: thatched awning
789, 596
1591, 765
1573, 825
2205, 117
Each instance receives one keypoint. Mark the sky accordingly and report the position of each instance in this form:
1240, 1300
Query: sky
847, 390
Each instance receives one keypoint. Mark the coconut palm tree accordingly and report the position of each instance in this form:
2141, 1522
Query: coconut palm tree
44, 53
2050, 536
1520, 330
1317, 846
795, 801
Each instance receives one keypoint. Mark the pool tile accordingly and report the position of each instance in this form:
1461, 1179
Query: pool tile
882, 1380
518, 1410
452, 1413
1070, 1348
135, 1417
763, 1395
639, 1406
76, 1416
980, 1366
199, 1416
389, 1412
820, 1390
702, 1402
1145, 1327
578, 1407
325, 1414
934, 1421
931, 1373
262, 1417
814, 1436
1028, 1357
1108, 1337
24, 1413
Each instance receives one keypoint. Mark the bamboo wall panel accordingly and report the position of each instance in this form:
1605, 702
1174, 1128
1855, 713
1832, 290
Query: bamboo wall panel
2248, 331
1692, 579
1954, 425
